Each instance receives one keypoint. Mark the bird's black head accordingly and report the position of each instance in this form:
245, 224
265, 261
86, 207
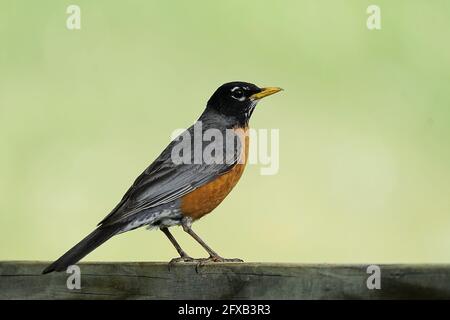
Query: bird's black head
237, 100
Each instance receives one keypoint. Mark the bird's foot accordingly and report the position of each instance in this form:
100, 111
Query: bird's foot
219, 259
181, 259
184, 258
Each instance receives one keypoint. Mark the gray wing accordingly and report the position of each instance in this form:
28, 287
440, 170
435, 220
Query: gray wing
164, 181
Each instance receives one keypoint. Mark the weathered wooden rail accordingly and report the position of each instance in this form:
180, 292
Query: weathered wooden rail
150, 280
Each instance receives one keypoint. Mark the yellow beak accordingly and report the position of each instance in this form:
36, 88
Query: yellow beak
265, 92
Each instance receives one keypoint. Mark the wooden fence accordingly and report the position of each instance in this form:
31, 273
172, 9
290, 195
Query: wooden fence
152, 280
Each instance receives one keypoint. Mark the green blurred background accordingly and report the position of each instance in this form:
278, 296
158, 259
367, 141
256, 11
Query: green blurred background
364, 124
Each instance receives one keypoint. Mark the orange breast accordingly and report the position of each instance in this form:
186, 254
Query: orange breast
206, 198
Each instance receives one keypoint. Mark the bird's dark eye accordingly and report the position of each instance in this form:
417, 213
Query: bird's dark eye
238, 94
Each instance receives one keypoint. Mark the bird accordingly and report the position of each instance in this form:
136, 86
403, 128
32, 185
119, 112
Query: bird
181, 186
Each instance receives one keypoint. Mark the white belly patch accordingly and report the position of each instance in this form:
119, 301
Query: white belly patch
157, 219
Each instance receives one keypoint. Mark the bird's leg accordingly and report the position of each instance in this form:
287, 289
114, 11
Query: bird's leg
184, 257
213, 256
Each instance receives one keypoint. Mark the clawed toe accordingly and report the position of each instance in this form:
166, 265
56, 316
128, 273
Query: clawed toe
219, 259
181, 259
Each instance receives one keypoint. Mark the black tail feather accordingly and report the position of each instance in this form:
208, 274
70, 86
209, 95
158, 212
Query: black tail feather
83, 248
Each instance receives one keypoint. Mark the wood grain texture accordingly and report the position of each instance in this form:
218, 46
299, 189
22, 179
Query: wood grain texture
150, 280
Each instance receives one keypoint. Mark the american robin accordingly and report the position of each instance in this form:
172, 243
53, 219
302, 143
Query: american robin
180, 187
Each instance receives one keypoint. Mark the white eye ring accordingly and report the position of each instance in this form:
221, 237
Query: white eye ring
240, 98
